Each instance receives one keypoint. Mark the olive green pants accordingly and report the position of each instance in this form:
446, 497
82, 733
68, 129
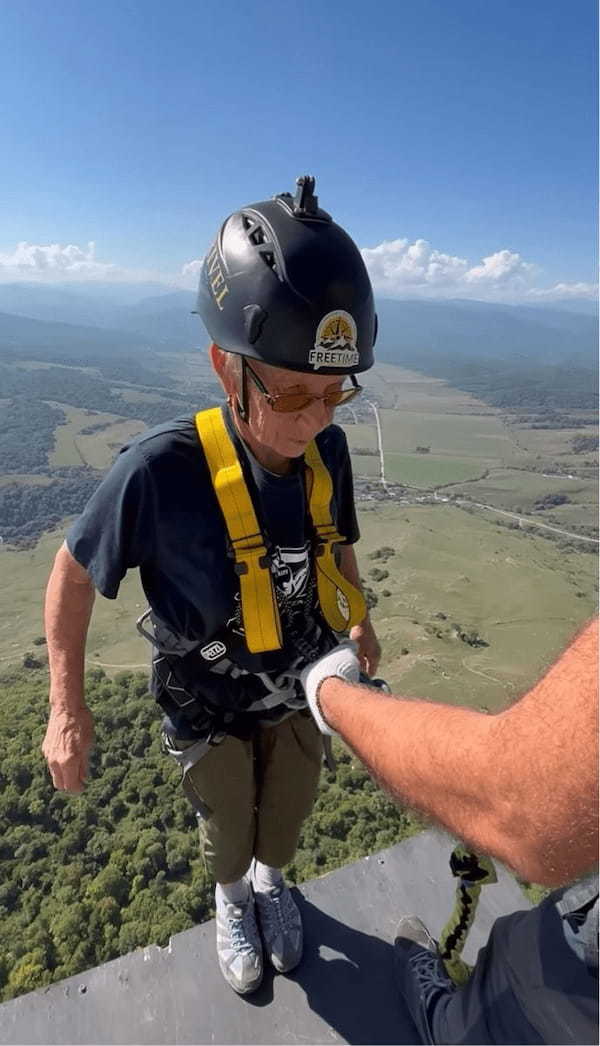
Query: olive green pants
252, 796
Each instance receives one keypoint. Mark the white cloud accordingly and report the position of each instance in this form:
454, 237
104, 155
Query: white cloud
32, 259
56, 262
190, 273
501, 268
565, 290
400, 269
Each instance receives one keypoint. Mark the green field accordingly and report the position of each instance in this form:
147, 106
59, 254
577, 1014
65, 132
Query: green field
27, 478
550, 442
136, 395
518, 592
474, 450
552, 448
427, 471
523, 594
365, 465
513, 489
362, 435
567, 516
462, 446
43, 365
402, 389
112, 634
461, 435
97, 449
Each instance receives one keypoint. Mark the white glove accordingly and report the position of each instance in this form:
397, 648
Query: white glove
341, 661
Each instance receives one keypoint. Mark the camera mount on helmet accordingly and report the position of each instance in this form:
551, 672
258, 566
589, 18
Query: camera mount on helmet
304, 204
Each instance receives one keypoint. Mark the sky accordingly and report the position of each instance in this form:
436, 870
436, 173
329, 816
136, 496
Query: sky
454, 139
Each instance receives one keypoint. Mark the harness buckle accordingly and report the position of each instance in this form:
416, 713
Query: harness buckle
326, 537
250, 556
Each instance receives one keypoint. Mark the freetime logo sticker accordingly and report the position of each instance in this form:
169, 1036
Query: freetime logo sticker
335, 341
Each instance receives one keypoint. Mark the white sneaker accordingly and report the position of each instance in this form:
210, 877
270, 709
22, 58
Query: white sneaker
239, 947
281, 926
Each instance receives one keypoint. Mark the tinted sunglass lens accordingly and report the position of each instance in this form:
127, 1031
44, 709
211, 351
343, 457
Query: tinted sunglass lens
295, 401
335, 399
289, 403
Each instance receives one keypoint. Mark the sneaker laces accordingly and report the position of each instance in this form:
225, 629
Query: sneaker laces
430, 979
280, 913
241, 929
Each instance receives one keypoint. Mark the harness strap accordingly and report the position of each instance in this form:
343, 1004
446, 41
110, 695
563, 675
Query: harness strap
342, 604
260, 613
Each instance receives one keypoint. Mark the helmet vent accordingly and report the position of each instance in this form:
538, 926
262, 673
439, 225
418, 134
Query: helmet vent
258, 236
256, 233
269, 259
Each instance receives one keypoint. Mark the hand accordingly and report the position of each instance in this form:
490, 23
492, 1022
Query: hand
66, 747
368, 648
341, 661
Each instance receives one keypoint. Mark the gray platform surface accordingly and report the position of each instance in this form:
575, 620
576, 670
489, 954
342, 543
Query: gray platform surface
343, 992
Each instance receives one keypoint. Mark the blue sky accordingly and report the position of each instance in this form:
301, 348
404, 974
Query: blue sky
455, 139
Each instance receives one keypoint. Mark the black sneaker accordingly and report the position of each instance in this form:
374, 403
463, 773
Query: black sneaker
420, 973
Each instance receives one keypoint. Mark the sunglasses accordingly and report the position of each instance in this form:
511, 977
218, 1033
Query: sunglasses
291, 402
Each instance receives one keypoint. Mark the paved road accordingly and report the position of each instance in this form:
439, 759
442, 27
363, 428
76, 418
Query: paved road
522, 519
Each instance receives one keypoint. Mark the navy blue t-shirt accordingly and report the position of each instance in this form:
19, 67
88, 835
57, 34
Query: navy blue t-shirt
156, 510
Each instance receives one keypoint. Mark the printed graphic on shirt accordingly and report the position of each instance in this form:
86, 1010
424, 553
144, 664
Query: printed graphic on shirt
294, 591
290, 567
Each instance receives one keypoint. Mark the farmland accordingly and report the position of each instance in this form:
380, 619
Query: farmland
521, 592
90, 437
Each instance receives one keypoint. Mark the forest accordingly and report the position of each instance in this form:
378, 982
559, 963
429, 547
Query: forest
27, 435
24, 389
27, 511
508, 384
88, 878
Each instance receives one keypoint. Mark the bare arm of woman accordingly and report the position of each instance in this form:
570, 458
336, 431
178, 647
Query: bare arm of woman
68, 609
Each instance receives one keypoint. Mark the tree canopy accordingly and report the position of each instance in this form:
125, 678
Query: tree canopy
88, 878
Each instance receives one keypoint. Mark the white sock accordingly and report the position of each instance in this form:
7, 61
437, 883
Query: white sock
264, 877
233, 893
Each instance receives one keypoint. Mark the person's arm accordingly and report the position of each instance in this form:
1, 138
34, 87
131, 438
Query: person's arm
521, 785
68, 608
363, 634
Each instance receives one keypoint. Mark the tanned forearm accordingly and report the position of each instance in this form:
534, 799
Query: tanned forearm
67, 613
521, 785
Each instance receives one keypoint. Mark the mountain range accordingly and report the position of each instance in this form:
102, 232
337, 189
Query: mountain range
508, 355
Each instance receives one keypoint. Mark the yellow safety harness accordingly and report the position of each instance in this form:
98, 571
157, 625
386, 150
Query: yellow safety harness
341, 603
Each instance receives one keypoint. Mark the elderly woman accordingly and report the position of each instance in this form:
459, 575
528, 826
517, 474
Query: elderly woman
241, 522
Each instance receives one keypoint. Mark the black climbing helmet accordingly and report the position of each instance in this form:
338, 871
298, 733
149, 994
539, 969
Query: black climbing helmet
284, 284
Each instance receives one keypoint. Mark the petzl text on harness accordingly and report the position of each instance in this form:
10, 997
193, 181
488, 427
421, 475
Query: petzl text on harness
472, 872
341, 603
